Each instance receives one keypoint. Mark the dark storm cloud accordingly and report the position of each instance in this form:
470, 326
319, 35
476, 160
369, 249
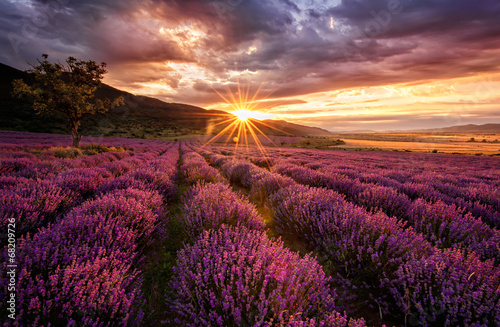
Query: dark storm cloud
112, 31
466, 27
103, 30
391, 41
306, 46
422, 17
417, 41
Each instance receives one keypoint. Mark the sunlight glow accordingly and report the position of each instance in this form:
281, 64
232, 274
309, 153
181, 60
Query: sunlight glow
244, 114
242, 125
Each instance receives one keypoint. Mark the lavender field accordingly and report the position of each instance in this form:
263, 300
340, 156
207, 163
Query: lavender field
149, 233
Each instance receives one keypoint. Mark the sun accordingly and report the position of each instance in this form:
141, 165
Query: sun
244, 114
242, 125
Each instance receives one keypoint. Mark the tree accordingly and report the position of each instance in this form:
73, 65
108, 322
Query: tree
68, 89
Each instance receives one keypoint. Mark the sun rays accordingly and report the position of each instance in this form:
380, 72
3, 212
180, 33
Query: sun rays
242, 126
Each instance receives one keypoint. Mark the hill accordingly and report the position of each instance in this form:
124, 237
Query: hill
293, 129
141, 117
19, 115
470, 128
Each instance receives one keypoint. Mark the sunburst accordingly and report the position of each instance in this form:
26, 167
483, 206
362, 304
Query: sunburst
244, 114
242, 125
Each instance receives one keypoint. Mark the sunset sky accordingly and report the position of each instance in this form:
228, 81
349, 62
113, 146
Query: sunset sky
339, 65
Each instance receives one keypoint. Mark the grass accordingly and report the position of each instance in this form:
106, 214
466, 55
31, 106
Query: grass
99, 148
158, 270
317, 143
65, 152
72, 152
175, 138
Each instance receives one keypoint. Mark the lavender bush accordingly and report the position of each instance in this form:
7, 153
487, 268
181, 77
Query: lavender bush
448, 226
386, 199
80, 269
33, 204
234, 276
449, 289
210, 205
195, 169
262, 188
367, 248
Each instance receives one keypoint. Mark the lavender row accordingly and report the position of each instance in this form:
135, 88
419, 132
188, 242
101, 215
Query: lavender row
464, 181
209, 206
233, 276
21, 141
459, 170
211, 202
36, 202
195, 168
25, 165
479, 198
158, 175
84, 270
441, 224
377, 253
244, 278
28, 167
80, 270
25, 154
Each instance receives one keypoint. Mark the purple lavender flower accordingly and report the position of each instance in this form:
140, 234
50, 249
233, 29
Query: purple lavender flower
211, 205
234, 276
449, 289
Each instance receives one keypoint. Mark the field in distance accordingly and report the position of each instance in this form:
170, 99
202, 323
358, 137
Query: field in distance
462, 143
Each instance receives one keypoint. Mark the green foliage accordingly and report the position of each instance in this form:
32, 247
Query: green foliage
87, 150
62, 152
318, 143
99, 148
72, 152
67, 89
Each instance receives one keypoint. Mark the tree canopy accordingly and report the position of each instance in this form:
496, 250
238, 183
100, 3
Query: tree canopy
66, 88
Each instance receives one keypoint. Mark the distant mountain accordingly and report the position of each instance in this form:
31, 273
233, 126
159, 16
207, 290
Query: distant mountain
470, 128
358, 131
269, 126
141, 117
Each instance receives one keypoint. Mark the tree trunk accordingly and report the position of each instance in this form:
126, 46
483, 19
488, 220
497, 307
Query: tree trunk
76, 136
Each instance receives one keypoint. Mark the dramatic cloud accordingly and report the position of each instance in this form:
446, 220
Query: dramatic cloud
328, 63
